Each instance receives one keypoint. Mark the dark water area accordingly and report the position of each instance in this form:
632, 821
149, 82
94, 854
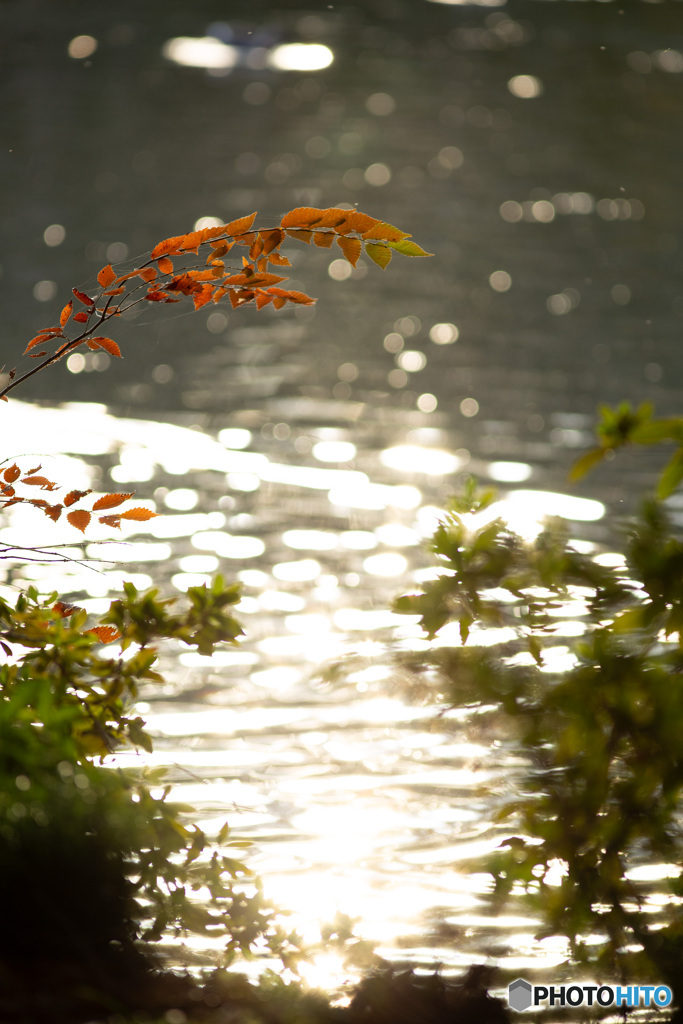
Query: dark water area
535, 148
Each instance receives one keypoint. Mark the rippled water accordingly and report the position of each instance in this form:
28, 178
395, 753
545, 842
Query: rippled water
534, 148
358, 798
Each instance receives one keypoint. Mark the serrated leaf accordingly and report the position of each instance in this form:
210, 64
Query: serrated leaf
408, 248
169, 245
379, 254
323, 239
386, 233
79, 519
105, 634
139, 514
108, 344
239, 226
351, 247
111, 500
74, 496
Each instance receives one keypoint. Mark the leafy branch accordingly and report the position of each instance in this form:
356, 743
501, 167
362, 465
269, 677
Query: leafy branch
167, 276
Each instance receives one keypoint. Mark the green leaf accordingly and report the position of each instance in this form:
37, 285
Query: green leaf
587, 462
671, 476
408, 248
379, 254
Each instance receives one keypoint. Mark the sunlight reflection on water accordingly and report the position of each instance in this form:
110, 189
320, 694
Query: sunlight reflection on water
356, 799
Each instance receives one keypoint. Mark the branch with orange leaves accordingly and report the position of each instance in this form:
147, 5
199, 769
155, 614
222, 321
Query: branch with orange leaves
167, 276
13, 481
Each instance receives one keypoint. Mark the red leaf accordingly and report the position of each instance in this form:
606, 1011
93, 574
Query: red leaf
38, 340
81, 318
155, 296
74, 496
111, 501
12, 473
79, 519
37, 355
106, 276
105, 634
108, 344
139, 514
66, 313
82, 297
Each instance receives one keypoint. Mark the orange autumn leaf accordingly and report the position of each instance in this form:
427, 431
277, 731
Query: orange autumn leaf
115, 291
66, 313
271, 239
39, 481
111, 521
219, 249
192, 241
324, 239
303, 235
105, 634
256, 248
239, 226
82, 297
38, 340
37, 355
301, 217
203, 297
106, 276
262, 299
74, 496
351, 247
12, 473
108, 344
165, 265
81, 318
278, 260
111, 501
139, 514
209, 233
385, 233
64, 610
53, 511
79, 519
357, 221
168, 246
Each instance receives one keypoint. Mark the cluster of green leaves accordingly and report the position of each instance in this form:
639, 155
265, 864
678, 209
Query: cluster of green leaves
601, 734
65, 701
625, 425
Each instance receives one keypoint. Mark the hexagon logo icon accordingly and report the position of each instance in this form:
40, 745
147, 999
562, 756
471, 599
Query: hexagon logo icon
519, 995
